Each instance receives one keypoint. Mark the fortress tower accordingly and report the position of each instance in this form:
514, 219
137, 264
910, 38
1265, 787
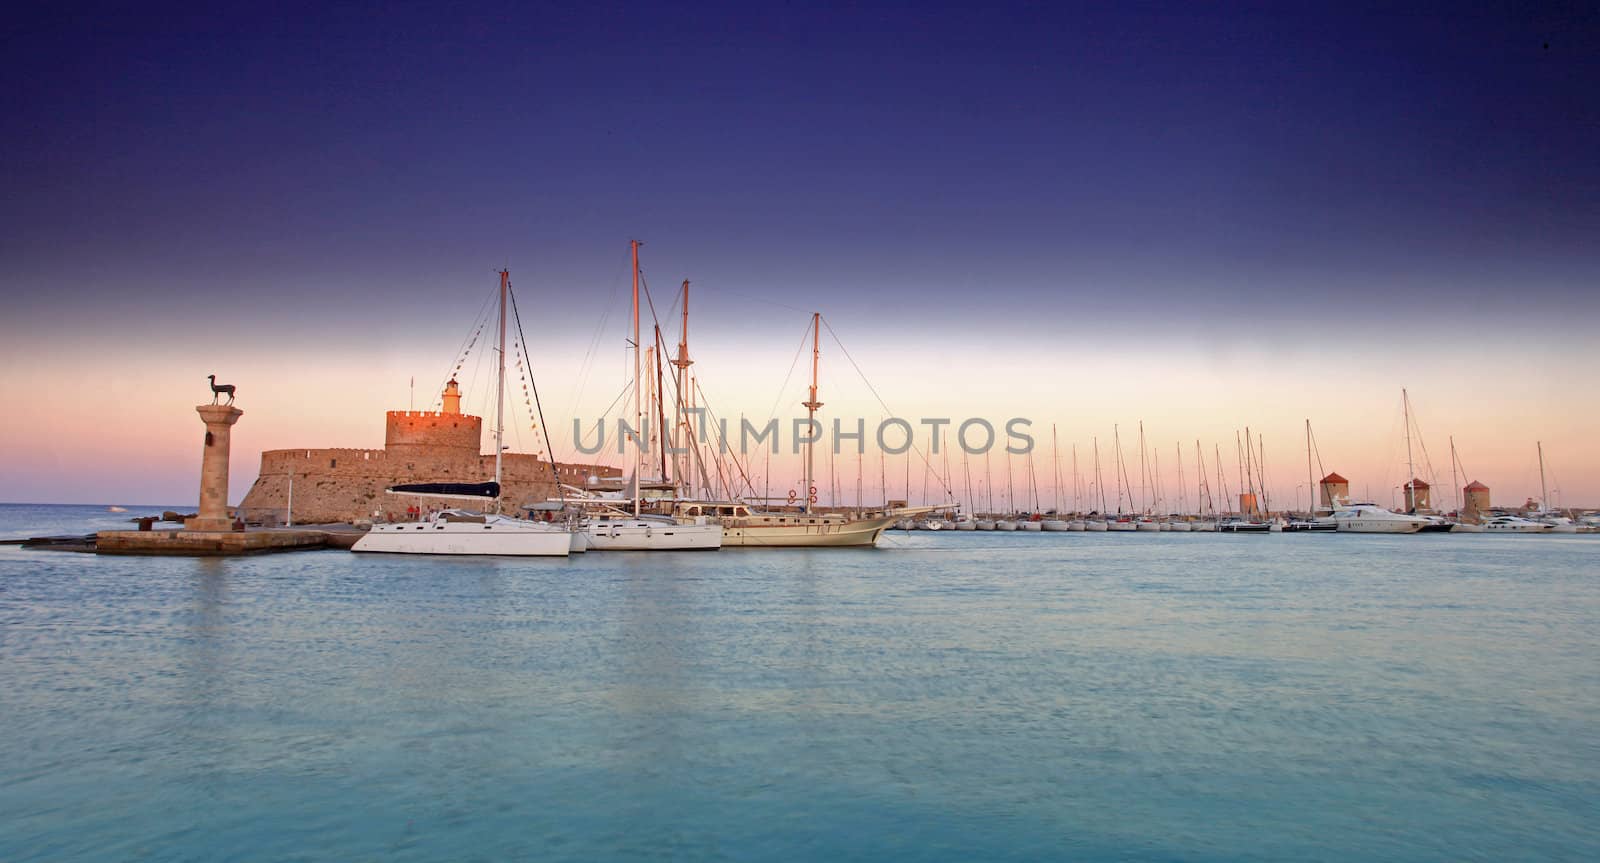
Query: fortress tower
448, 432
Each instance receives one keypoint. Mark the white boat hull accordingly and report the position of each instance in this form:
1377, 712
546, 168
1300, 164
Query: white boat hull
487, 535
966, 525
1005, 525
1030, 525
1121, 526
630, 535
1179, 526
1094, 526
985, 524
1077, 524
1377, 526
1147, 526
1463, 527
1054, 524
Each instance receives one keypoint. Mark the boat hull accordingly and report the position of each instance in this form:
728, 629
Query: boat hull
1377, 526
865, 532
643, 536
469, 538
1094, 527
1054, 524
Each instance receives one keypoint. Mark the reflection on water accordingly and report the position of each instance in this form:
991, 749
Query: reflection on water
958, 696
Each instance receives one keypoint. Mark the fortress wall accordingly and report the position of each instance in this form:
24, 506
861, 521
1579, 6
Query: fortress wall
334, 485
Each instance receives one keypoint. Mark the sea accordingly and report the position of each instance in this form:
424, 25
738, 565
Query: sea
945, 696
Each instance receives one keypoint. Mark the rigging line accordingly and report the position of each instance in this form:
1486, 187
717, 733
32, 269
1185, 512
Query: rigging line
555, 475
472, 333
621, 394
732, 456
587, 367
795, 362
874, 390
700, 285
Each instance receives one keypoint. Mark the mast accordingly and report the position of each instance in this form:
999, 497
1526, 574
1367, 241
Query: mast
1311, 487
1411, 471
1098, 483
811, 406
685, 395
1055, 456
1261, 470
1544, 491
661, 405
1144, 474
1077, 484
500, 387
1455, 491
638, 405
1183, 497
1116, 442
988, 483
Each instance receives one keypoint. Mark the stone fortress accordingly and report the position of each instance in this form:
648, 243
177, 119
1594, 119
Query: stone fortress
346, 485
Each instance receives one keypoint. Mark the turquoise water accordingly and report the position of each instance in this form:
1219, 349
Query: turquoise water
945, 697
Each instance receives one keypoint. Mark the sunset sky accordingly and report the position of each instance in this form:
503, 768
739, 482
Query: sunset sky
1082, 216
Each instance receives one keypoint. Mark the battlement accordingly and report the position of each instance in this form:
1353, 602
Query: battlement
422, 414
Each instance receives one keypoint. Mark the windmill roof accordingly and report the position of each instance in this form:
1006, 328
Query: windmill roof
1417, 483
1476, 486
1333, 477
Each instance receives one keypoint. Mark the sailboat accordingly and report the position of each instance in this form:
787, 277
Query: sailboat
1055, 521
1181, 524
468, 532
1203, 494
1558, 522
744, 526
1097, 525
621, 524
1077, 523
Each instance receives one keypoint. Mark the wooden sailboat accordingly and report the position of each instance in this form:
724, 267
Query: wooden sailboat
745, 526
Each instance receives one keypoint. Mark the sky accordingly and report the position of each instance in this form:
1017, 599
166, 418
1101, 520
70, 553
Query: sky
1202, 217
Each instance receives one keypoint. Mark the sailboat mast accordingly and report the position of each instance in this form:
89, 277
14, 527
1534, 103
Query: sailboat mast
1411, 471
1311, 487
500, 387
811, 406
1055, 457
1077, 483
1116, 444
1544, 491
1183, 497
638, 405
1455, 490
1144, 473
1098, 482
684, 400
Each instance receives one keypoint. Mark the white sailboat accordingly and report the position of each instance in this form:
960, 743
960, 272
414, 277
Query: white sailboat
1054, 521
610, 525
464, 532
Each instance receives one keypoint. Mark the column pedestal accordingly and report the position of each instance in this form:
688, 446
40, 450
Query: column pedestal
212, 514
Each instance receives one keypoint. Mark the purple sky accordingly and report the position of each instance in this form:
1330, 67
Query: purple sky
990, 184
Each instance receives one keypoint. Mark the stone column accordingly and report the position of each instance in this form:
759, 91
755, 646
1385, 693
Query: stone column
213, 513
